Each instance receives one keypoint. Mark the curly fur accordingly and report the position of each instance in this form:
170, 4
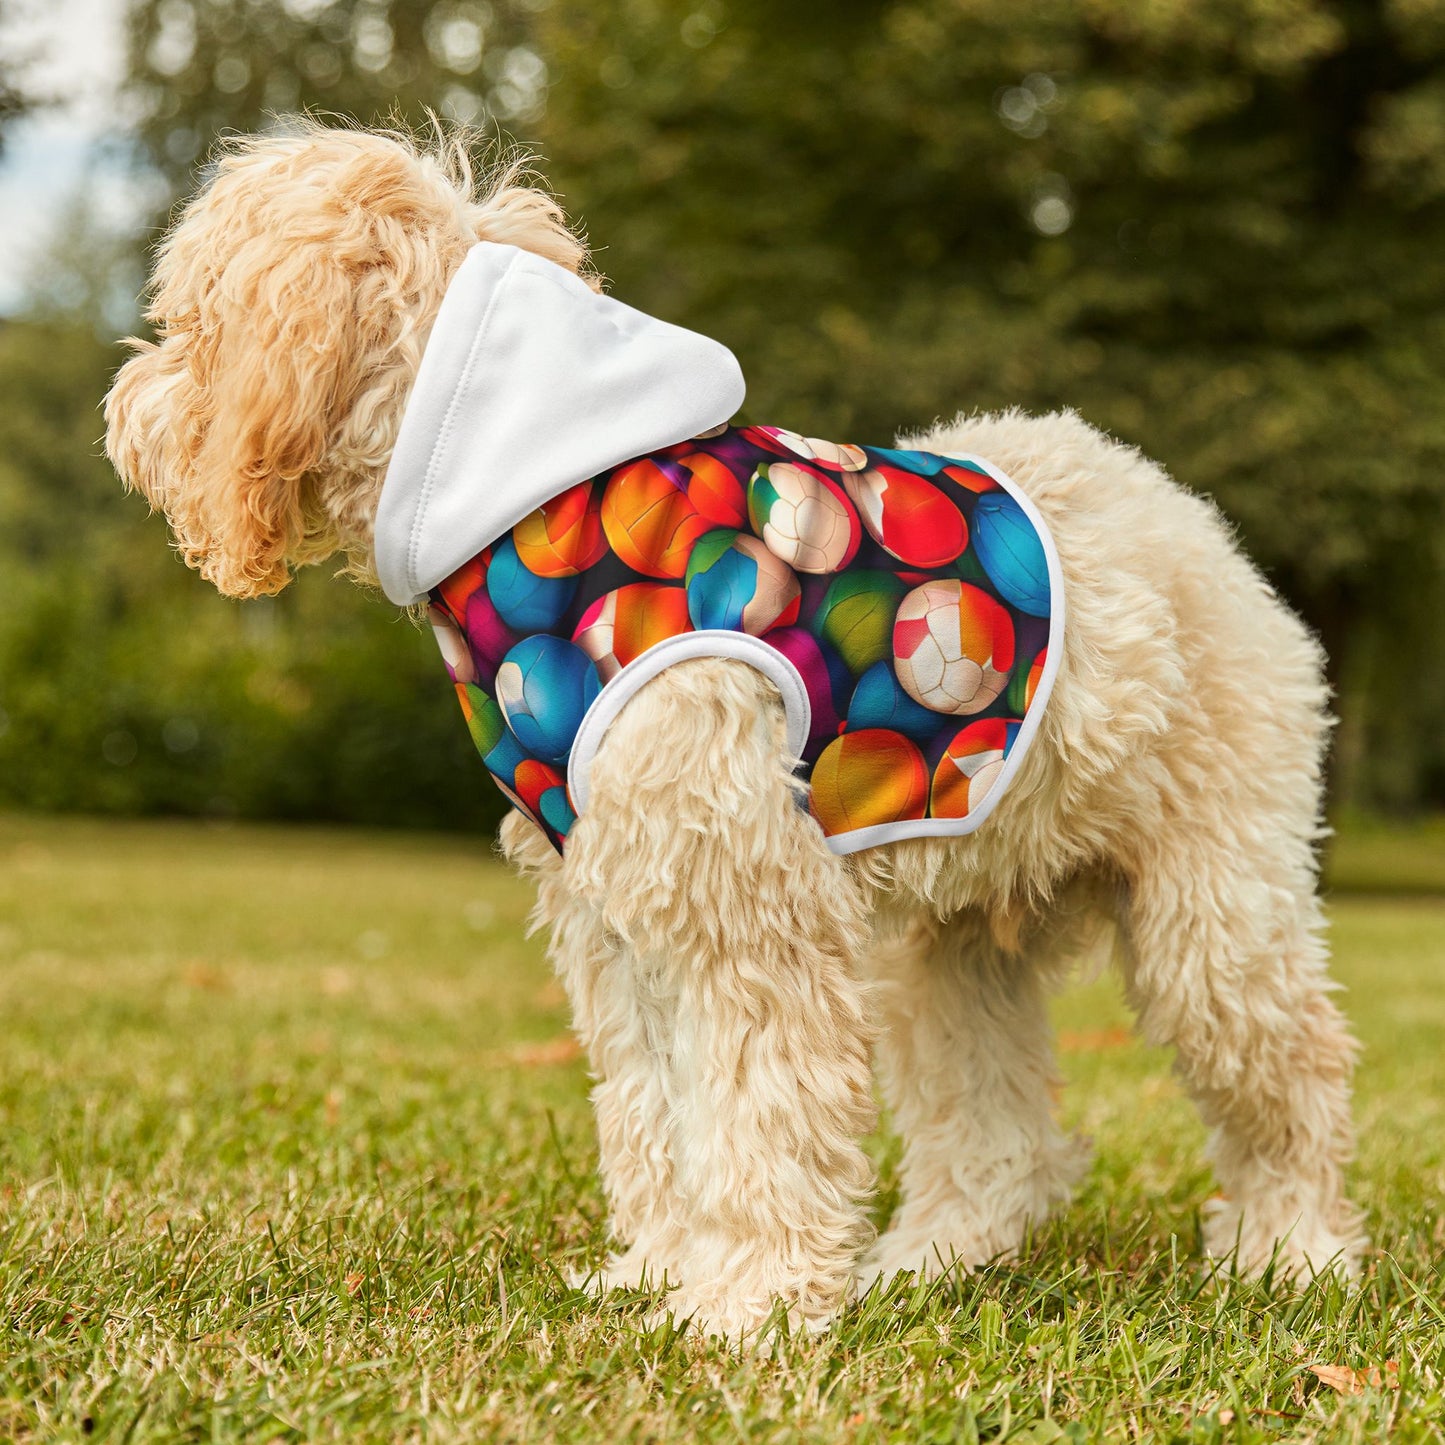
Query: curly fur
728, 975
292, 300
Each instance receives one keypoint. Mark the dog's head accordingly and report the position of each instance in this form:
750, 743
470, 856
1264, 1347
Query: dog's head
291, 301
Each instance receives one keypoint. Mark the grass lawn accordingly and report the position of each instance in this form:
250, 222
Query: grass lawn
293, 1146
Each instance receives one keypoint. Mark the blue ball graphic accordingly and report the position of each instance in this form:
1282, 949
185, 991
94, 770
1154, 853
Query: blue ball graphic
721, 581
879, 701
556, 811
505, 757
1011, 553
927, 464
525, 601
545, 685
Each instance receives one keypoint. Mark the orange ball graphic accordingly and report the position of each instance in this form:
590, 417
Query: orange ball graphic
970, 766
564, 536
653, 512
869, 777
469, 578
716, 493
622, 624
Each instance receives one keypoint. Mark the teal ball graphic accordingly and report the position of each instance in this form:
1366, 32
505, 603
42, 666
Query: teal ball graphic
926, 464
1011, 553
556, 810
545, 685
879, 701
525, 601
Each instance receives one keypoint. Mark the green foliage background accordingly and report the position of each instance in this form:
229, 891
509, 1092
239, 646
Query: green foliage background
1214, 227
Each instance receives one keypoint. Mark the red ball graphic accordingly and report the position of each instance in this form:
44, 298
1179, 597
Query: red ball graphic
907, 515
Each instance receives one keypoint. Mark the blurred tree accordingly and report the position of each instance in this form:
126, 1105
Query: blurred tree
127, 685
1217, 229
202, 67
15, 98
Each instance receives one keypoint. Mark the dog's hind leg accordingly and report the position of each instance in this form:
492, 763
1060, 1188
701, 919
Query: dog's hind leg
1226, 962
740, 931
966, 1060
1225, 957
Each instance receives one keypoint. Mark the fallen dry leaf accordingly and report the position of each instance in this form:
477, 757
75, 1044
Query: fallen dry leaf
560, 1050
354, 1283
1101, 1039
1347, 1381
551, 995
202, 975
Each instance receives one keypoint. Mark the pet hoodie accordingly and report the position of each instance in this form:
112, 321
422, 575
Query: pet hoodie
571, 497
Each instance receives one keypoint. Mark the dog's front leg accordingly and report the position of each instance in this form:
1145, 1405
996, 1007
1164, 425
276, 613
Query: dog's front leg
741, 931
966, 1059
624, 1024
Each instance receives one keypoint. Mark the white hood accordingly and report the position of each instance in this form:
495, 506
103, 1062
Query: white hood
530, 383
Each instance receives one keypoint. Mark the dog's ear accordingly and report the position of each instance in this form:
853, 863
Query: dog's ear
144, 412
292, 300
224, 421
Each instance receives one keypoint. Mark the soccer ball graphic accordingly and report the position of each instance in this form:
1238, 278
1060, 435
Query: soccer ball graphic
803, 517
953, 646
735, 582
970, 766
455, 654
839, 457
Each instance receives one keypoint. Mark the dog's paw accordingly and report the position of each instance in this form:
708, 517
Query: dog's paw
632, 1270
965, 1228
899, 1253
757, 1325
1298, 1246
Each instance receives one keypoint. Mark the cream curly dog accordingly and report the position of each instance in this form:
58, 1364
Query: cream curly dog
731, 976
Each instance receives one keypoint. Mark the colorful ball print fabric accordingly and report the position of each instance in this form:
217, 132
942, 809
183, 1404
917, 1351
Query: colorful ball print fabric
912, 594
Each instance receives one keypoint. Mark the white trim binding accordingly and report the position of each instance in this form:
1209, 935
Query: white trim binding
707, 642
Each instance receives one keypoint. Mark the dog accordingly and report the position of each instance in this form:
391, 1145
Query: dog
733, 977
